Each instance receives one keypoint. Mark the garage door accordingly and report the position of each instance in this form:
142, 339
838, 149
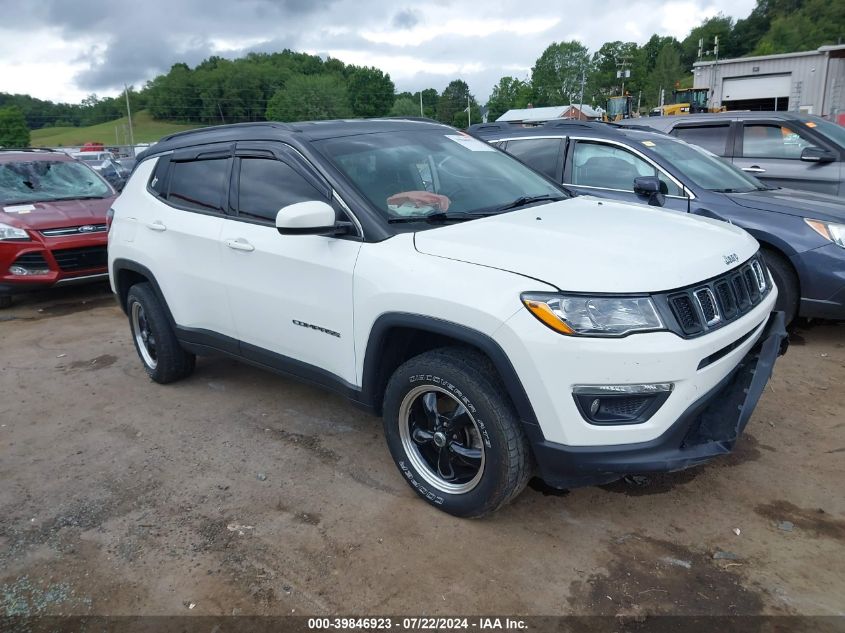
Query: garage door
765, 87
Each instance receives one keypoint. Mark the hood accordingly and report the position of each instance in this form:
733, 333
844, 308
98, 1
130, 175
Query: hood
55, 215
589, 245
805, 204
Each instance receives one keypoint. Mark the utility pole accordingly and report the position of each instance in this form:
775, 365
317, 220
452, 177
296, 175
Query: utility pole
220, 110
421, 108
129, 117
581, 98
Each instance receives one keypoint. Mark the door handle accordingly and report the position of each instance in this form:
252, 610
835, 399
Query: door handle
754, 169
156, 226
240, 244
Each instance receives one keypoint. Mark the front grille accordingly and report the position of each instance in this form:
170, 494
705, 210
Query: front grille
714, 303
72, 259
707, 303
32, 261
726, 299
685, 313
85, 229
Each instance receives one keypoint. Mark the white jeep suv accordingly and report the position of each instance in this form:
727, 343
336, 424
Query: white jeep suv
500, 328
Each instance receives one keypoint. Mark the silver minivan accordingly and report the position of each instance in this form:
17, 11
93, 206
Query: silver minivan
783, 149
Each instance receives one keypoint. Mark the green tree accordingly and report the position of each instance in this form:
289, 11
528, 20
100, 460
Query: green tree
405, 106
556, 75
666, 73
721, 26
454, 100
509, 93
310, 97
13, 130
602, 81
814, 24
371, 92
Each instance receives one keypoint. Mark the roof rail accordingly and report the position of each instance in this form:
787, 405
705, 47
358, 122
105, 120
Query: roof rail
423, 119
494, 125
31, 149
211, 128
574, 123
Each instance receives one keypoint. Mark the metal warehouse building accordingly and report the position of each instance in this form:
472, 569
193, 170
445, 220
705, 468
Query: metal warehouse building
811, 82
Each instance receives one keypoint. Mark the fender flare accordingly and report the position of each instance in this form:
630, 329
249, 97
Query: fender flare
384, 323
119, 265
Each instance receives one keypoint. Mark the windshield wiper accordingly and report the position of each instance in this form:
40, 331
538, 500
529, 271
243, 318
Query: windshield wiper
526, 200
441, 216
73, 198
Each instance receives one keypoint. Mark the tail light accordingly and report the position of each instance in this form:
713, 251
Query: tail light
109, 218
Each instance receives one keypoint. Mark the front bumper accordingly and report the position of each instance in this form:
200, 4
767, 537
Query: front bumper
708, 428
76, 259
822, 275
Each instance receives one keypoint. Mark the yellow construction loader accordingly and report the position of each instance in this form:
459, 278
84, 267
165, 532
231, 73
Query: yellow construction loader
686, 101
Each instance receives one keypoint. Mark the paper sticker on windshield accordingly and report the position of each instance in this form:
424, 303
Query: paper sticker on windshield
19, 208
810, 123
472, 144
649, 144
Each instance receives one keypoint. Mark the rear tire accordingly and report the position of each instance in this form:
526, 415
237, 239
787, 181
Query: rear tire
5, 301
155, 341
787, 282
454, 434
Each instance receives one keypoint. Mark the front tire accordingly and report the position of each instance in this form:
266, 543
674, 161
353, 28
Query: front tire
454, 434
787, 282
5, 301
155, 341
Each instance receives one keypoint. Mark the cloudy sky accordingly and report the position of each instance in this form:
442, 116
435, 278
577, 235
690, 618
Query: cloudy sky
64, 50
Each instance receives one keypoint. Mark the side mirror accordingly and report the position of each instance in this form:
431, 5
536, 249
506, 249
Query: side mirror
817, 155
650, 186
312, 217
646, 185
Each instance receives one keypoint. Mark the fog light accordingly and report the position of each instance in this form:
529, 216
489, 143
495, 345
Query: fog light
20, 271
620, 404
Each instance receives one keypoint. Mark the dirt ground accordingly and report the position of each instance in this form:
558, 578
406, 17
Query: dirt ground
240, 492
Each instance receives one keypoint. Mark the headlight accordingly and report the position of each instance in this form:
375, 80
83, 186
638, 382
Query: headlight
829, 231
594, 316
12, 233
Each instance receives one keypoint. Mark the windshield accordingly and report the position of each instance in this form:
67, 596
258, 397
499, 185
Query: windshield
831, 130
703, 168
42, 181
418, 174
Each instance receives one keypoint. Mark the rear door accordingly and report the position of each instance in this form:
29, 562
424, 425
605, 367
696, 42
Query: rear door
608, 169
291, 295
543, 154
714, 137
771, 151
179, 235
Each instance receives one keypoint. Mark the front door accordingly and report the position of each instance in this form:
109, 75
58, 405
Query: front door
291, 295
608, 170
771, 151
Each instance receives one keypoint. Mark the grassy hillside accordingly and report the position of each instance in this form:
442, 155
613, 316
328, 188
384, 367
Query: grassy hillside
146, 131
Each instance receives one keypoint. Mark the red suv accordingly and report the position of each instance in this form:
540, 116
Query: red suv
52, 221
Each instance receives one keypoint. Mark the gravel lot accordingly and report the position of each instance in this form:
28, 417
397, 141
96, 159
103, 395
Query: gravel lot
237, 491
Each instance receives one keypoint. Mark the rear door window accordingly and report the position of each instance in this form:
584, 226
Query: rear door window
541, 154
713, 138
199, 184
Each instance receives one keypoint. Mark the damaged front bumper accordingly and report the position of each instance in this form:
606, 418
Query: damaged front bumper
708, 428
